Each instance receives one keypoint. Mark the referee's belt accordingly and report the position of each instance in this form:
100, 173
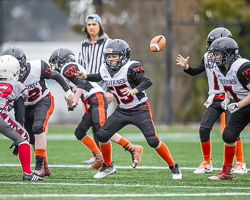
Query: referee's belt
219, 96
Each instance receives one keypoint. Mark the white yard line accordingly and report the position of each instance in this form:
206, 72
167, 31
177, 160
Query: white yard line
123, 195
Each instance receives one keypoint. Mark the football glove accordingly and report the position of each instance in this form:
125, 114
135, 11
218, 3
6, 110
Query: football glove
71, 108
225, 103
233, 107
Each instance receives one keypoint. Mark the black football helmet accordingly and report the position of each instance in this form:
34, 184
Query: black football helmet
227, 47
19, 55
217, 33
117, 46
61, 56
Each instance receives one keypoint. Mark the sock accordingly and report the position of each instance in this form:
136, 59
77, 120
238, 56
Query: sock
206, 150
40, 152
46, 158
123, 142
239, 151
90, 143
24, 155
163, 151
106, 153
229, 152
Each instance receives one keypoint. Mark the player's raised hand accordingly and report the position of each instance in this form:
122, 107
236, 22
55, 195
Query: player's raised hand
81, 75
130, 92
183, 62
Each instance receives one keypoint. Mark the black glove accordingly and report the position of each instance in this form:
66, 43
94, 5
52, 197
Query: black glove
15, 151
71, 108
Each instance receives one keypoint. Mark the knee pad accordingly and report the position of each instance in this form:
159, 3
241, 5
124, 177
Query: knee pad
204, 134
95, 128
153, 142
228, 137
101, 136
80, 133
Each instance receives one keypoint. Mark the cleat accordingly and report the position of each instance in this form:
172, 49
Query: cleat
98, 161
47, 169
204, 168
90, 161
136, 151
225, 174
176, 172
240, 168
32, 177
39, 167
104, 171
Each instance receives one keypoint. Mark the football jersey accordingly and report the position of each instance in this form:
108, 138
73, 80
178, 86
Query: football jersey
34, 81
123, 78
231, 82
10, 91
214, 86
68, 72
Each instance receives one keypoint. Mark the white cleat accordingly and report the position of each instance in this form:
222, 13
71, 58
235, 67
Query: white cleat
104, 171
90, 161
176, 172
240, 168
204, 168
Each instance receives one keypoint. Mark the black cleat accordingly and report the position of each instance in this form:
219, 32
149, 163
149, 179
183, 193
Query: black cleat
32, 177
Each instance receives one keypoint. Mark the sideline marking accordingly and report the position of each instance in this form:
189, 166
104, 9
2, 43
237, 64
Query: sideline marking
126, 185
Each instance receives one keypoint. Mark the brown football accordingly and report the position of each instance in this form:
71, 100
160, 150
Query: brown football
157, 43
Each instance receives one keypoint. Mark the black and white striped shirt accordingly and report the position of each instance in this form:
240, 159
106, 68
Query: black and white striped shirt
91, 55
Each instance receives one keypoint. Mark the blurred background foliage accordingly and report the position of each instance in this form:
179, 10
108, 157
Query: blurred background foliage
137, 22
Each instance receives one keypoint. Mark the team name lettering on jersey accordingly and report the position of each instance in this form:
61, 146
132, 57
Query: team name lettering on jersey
228, 82
33, 85
116, 82
246, 74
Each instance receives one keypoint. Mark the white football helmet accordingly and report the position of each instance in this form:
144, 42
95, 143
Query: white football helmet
9, 67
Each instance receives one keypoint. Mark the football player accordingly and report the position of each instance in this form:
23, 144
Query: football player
95, 115
215, 106
13, 94
127, 81
232, 71
40, 103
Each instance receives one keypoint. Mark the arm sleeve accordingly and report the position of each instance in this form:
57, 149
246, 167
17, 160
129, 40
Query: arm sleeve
243, 74
59, 79
94, 77
136, 72
19, 109
196, 70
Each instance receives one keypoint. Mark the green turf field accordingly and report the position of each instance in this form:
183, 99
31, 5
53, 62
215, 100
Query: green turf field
151, 180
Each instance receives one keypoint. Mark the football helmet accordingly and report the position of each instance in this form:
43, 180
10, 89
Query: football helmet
61, 56
227, 48
117, 46
217, 33
19, 55
9, 67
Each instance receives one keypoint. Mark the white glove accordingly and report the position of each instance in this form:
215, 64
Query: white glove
69, 92
233, 107
225, 103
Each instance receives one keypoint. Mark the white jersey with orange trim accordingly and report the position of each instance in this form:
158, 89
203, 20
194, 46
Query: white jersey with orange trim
123, 79
231, 82
68, 72
33, 80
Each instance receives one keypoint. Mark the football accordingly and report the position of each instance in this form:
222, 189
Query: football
157, 43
